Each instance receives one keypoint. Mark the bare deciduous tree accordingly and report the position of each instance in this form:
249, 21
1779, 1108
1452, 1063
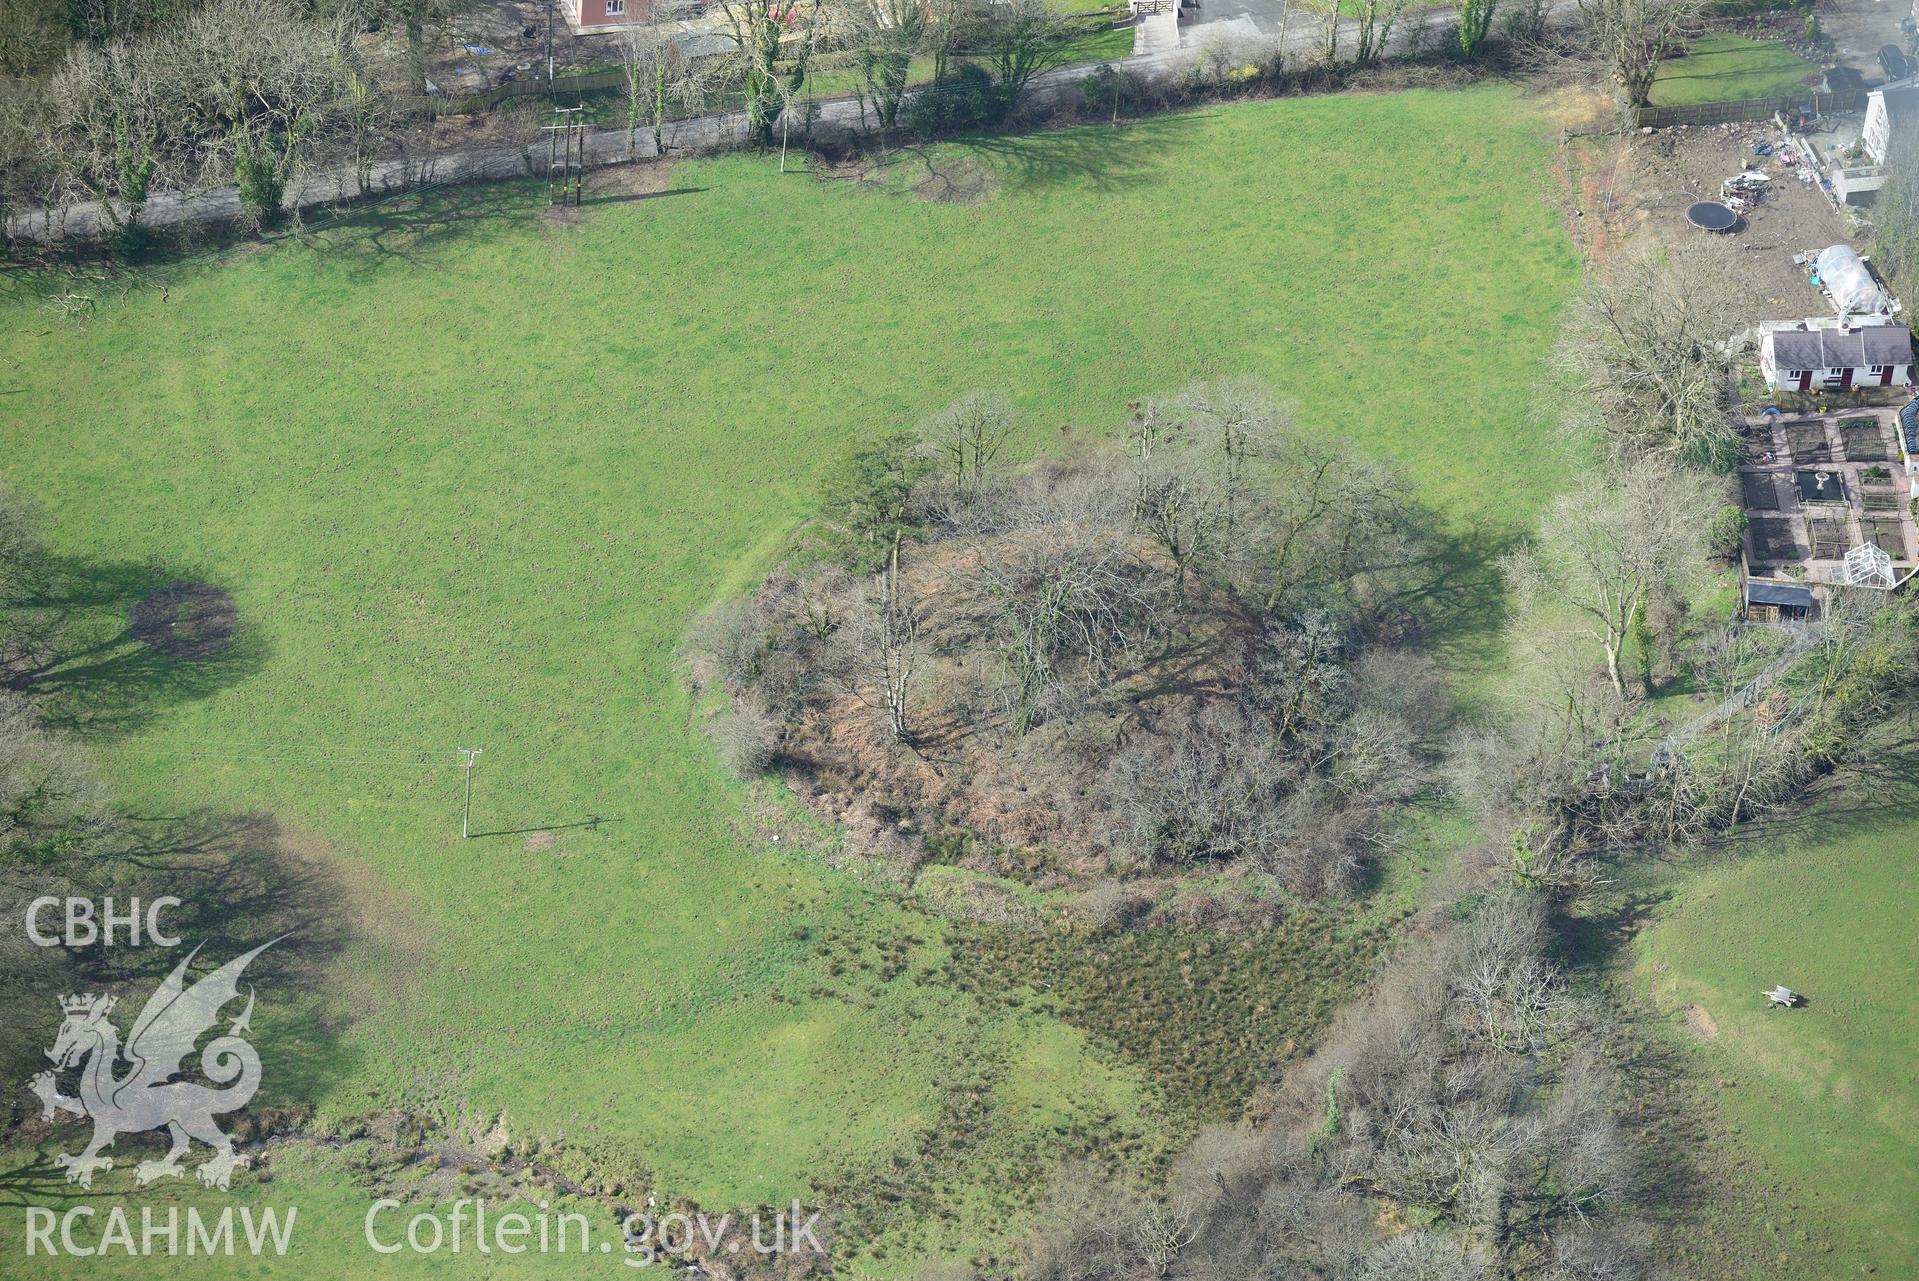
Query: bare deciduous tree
945, 32
113, 105
885, 35
1373, 24
773, 45
658, 75
1060, 580
1051, 599
31, 171
1630, 38
964, 442
1603, 546
1375, 20
886, 649
257, 81
1204, 467
421, 21
1895, 211
1335, 515
1507, 1152
32, 34
1649, 344
1018, 40
365, 110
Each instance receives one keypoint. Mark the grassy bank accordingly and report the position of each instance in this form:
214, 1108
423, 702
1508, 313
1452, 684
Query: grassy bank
1825, 1096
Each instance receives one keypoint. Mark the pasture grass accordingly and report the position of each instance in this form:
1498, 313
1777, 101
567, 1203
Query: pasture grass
1724, 68
468, 470
1824, 1096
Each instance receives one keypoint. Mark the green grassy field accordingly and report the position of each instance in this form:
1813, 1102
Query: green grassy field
468, 471
1825, 1097
1721, 68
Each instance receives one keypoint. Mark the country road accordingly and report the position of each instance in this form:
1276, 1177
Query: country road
697, 133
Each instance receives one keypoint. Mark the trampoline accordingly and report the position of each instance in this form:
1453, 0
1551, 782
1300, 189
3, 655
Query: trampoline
1710, 215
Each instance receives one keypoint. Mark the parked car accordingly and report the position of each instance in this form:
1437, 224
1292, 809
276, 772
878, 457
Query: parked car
1894, 63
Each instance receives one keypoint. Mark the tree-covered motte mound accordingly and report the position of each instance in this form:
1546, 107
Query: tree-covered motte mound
1176, 652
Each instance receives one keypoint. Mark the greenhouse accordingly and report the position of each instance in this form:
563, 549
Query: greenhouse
1850, 283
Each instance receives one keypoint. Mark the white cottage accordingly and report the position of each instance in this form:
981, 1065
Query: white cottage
1836, 358
1891, 112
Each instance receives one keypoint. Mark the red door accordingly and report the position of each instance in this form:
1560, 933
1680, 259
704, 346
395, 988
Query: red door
1845, 379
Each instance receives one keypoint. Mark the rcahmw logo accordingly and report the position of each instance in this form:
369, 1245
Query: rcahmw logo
166, 1231
151, 1094
147, 1096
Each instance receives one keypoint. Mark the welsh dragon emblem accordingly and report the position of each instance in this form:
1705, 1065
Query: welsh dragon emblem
146, 1095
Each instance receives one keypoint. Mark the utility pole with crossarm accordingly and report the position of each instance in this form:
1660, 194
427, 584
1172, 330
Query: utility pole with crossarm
472, 754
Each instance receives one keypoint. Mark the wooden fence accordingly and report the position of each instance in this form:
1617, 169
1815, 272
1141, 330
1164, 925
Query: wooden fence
1719, 113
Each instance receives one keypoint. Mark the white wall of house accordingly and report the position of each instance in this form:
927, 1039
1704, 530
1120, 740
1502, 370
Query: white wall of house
1877, 130
1829, 379
1787, 378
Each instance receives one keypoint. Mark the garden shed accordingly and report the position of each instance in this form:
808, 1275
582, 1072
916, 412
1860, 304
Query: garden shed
1771, 601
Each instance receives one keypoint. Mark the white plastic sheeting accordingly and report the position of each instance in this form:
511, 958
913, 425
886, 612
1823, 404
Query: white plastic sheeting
1847, 279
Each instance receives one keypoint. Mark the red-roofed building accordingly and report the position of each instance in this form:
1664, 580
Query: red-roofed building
589, 16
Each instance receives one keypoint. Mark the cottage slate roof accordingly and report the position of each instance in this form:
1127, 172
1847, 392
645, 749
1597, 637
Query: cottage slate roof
1902, 103
1759, 592
1842, 348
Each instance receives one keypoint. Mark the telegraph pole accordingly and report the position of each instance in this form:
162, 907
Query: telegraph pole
566, 169
551, 7
472, 754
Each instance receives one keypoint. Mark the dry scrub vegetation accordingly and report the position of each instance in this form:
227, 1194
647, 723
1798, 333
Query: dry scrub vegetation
1457, 1125
1174, 654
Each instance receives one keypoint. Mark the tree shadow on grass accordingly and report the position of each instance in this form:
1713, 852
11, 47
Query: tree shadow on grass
1093, 157
1660, 1080
242, 880
1877, 787
100, 663
407, 230
37, 1182
1454, 588
239, 883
